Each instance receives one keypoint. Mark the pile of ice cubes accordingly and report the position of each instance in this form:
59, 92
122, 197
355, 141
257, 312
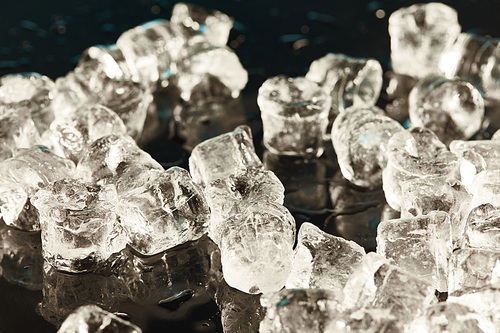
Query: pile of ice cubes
72, 169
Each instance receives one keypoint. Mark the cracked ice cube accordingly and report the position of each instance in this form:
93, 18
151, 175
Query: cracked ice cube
195, 21
91, 318
229, 196
79, 225
452, 108
294, 114
31, 92
72, 134
350, 81
360, 138
299, 310
378, 284
322, 260
223, 155
482, 229
419, 36
474, 268
416, 153
421, 245
21, 177
163, 213
256, 248
115, 159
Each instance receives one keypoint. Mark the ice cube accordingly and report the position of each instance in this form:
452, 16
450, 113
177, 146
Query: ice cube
164, 212
485, 301
72, 134
476, 156
211, 71
322, 260
91, 318
21, 258
63, 293
416, 153
107, 60
452, 108
482, 229
31, 92
378, 284
229, 196
223, 155
366, 320
22, 175
476, 59
419, 35
294, 114
79, 225
195, 21
421, 245
115, 159
360, 138
17, 130
350, 81
451, 317
299, 310
155, 279
256, 248
421, 196
474, 268
485, 188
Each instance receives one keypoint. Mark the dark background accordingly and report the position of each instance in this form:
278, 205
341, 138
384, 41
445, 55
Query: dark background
270, 36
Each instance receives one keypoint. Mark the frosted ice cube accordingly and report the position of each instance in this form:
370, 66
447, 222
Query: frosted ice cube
79, 225
452, 108
360, 138
17, 130
482, 229
21, 177
476, 156
350, 81
208, 66
416, 153
72, 134
451, 317
229, 196
421, 196
91, 318
21, 258
485, 301
117, 160
31, 92
299, 310
476, 59
421, 245
164, 212
322, 260
419, 35
294, 115
63, 293
223, 155
378, 284
193, 20
256, 248
474, 268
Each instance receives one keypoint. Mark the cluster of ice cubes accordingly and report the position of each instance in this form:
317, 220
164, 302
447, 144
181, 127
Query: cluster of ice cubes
74, 171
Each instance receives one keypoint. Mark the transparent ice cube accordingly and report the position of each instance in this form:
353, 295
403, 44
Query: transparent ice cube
79, 225
452, 108
474, 268
165, 212
421, 245
294, 114
322, 260
108, 60
360, 138
366, 320
22, 175
419, 35
482, 229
